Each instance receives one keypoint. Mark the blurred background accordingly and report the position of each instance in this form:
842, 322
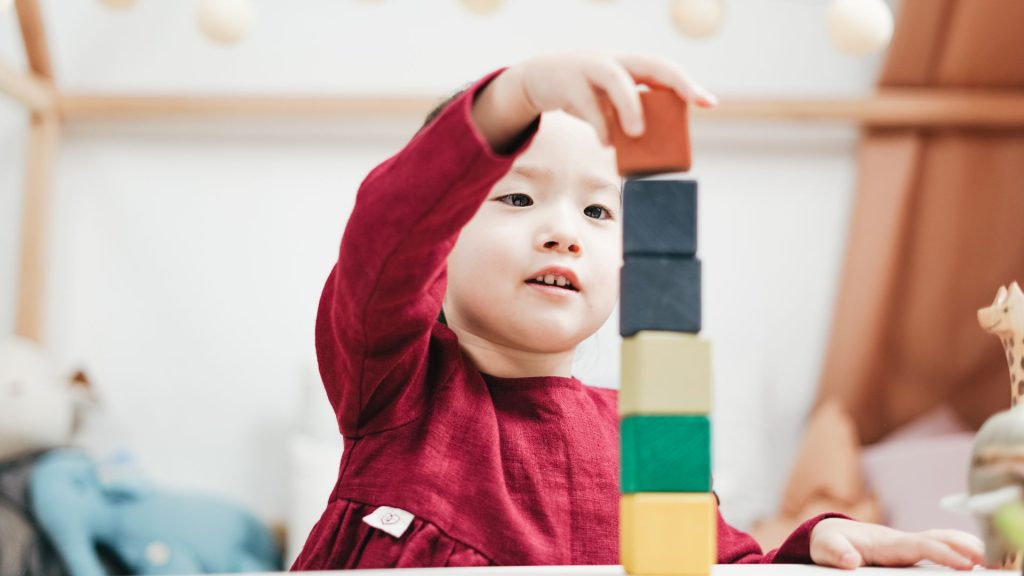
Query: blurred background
847, 243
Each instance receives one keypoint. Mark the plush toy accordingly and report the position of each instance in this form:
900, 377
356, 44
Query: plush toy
78, 503
36, 406
82, 505
23, 547
38, 411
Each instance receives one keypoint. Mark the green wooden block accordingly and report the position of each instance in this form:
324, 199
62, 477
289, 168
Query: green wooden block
666, 454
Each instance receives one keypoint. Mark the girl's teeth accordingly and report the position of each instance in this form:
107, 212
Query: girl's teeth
555, 280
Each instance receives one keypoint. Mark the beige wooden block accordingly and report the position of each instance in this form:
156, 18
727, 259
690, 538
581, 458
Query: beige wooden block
668, 533
665, 373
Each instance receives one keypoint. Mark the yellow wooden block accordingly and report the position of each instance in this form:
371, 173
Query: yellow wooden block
668, 533
665, 373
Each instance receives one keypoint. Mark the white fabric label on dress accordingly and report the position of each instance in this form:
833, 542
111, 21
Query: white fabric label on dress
394, 521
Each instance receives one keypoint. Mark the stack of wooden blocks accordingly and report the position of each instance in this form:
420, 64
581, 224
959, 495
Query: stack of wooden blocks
668, 515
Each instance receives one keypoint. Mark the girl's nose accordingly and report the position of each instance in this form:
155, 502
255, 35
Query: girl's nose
559, 232
572, 247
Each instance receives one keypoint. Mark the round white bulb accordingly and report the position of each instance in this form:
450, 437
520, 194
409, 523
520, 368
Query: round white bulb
225, 21
859, 27
698, 18
481, 7
119, 4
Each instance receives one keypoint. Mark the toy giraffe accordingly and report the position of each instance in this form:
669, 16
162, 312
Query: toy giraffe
995, 480
995, 474
1005, 319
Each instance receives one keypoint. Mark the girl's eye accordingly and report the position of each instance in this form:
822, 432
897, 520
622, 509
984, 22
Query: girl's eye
596, 212
517, 199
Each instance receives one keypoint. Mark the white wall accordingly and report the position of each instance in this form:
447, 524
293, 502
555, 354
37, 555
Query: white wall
188, 258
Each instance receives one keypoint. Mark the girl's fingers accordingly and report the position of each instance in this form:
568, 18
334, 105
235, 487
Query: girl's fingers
939, 552
612, 79
586, 107
658, 72
967, 545
837, 551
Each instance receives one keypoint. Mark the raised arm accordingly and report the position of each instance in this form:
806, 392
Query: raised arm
382, 298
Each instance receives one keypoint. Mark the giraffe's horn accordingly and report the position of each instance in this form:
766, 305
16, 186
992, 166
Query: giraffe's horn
1001, 295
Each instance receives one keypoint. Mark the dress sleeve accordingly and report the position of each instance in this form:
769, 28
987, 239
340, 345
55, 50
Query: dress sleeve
382, 299
738, 547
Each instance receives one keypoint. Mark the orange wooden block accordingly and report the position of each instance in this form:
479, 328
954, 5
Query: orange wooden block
664, 145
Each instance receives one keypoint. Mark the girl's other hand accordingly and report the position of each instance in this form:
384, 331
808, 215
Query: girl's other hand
848, 544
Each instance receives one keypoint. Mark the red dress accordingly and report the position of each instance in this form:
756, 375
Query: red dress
504, 471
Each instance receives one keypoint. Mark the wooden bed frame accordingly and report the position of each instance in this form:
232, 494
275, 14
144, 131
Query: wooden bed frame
50, 109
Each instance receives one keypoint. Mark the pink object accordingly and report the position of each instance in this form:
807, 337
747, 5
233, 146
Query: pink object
918, 465
512, 471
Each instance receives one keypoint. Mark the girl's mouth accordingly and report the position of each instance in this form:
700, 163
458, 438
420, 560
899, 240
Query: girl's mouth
553, 282
553, 291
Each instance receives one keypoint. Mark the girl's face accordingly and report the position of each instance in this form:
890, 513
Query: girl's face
556, 216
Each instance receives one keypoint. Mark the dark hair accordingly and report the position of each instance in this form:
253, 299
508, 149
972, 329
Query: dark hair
437, 110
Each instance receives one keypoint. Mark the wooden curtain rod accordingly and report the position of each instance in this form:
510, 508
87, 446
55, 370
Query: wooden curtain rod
918, 107
891, 107
97, 107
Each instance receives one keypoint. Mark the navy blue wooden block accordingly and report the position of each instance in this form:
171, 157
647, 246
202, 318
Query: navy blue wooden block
660, 217
660, 293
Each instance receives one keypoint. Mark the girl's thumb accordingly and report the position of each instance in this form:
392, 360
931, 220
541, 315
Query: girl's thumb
839, 552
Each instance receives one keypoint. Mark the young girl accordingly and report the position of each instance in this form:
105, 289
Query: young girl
474, 262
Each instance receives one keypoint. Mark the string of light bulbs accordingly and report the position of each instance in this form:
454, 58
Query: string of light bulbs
855, 27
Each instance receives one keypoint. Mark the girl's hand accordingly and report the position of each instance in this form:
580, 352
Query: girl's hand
848, 544
576, 84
